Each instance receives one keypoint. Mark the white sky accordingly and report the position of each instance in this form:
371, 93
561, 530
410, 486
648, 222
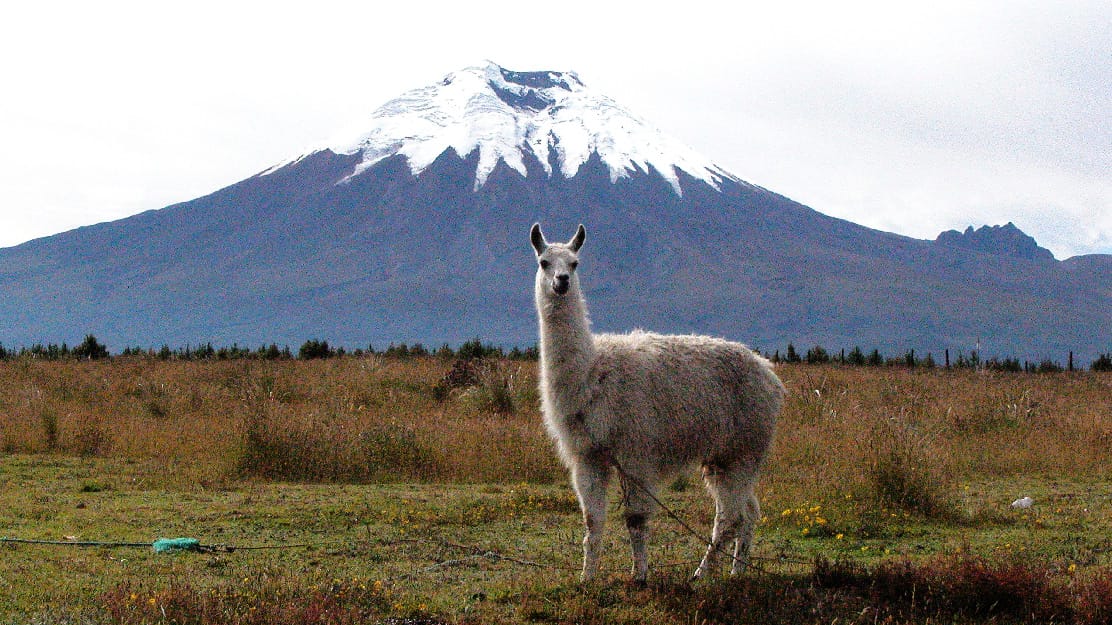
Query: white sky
908, 118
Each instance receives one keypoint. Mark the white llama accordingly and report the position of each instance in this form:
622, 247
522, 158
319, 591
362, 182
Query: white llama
648, 406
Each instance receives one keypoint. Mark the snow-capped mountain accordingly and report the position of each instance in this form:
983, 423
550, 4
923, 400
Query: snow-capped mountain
416, 230
507, 115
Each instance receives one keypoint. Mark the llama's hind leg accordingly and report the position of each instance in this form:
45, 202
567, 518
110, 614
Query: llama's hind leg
730, 519
590, 481
639, 503
750, 517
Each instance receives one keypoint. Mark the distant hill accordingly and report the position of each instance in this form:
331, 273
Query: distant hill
417, 231
1006, 240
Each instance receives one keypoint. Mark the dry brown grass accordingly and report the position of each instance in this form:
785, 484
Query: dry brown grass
844, 432
963, 425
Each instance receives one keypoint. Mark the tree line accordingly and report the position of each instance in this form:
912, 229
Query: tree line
911, 360
92, 349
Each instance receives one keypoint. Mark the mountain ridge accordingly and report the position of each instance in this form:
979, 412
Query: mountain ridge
1006, 239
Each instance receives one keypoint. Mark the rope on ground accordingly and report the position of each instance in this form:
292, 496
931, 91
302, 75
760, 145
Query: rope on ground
162, 545
171, 545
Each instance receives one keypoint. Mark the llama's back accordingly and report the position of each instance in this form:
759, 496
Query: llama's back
673, 394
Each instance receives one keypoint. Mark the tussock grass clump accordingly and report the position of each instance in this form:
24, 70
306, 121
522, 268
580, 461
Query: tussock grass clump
498, 388
904, 472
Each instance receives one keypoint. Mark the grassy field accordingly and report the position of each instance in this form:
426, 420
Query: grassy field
422, 491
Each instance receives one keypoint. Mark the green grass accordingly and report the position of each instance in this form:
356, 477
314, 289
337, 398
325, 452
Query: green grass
460, 553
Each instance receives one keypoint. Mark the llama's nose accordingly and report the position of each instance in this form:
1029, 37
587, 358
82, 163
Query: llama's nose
561, 283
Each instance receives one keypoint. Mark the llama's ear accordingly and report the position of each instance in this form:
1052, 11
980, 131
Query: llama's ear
577, 241
537, 238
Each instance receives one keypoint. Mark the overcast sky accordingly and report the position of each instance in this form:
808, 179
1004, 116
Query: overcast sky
903, 117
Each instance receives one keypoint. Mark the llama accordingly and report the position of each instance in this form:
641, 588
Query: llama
647, 406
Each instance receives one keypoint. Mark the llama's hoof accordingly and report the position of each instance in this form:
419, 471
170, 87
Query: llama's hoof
702, 573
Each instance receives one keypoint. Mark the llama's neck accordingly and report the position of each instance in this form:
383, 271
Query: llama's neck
567, 349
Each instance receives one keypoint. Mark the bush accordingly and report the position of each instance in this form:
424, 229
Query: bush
791, 355
903, 473
856, 357
313, 348
1102, 363
497, 388
1010, 365
474, 349
817, 356
90, 348
464, 373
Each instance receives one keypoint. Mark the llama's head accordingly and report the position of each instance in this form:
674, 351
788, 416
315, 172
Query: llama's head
556, 262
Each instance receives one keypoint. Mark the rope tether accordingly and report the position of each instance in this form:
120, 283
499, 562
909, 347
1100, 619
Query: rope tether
162, 545
748, 559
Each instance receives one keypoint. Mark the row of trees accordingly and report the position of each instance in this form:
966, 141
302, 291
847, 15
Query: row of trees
91, 348
911, 360
312, 349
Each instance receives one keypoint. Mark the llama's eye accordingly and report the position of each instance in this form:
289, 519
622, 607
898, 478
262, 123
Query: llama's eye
544, 264
574, 264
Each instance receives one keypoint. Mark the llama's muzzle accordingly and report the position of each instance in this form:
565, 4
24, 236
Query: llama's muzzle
561, 283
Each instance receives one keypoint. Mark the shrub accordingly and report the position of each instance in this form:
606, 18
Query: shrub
497, 388
875, 359
313, 349
817, 356
1049, 366
49, 420
1010, 365
791, 355
90, 348
1102, 363
856, 357
903, 474
474, 349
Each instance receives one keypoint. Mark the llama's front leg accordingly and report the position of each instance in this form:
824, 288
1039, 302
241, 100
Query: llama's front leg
590, 482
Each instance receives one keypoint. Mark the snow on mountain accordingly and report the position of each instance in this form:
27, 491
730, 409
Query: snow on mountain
503, 114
